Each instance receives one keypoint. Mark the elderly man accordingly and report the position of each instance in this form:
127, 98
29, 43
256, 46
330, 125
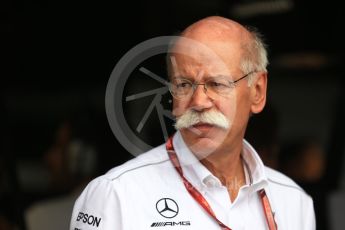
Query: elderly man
206, 176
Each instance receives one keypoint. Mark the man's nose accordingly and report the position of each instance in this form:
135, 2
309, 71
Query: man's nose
200, 100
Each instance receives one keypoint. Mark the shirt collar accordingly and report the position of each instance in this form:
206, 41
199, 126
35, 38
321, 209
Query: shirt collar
200, 176
255, 166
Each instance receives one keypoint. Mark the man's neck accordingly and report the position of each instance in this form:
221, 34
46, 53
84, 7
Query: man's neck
228, 168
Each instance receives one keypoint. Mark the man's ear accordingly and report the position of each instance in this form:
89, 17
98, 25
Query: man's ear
258, 92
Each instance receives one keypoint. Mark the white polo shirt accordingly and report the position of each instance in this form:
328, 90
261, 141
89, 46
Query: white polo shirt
148, 193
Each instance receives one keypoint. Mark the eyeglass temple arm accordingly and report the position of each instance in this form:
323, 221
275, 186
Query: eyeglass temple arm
243, 77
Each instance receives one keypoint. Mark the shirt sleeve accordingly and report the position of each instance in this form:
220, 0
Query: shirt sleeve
98, 207
310, 223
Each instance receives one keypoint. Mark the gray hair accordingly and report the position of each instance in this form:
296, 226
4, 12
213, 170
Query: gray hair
255, 54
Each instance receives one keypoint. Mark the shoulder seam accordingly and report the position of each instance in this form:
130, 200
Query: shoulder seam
286, 185
141, 166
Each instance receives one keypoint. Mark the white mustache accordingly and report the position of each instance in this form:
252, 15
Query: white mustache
192, 117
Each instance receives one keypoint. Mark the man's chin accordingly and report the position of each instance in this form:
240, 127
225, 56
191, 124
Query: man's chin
204, 147
203, 142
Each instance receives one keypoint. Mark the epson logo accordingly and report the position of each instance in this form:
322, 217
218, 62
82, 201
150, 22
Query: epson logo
163, 224
89, 219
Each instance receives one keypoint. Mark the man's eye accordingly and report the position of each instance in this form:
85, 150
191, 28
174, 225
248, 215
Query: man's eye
216, 84
183, 85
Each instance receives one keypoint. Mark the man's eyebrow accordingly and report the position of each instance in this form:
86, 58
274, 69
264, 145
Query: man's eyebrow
225, 76
216, 76
207, 77
183, 77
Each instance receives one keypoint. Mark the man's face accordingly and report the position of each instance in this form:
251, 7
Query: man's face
199, 65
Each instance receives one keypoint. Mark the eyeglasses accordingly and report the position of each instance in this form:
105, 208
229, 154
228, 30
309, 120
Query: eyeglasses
182, 88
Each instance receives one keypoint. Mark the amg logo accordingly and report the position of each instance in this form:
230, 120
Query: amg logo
89, 219
162, 224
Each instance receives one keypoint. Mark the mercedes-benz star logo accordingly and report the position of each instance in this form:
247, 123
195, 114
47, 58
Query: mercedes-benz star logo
167, 208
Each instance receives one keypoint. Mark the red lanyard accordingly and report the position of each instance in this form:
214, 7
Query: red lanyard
203, 202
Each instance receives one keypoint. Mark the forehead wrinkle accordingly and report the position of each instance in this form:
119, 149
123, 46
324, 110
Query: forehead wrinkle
190, 70
198, 72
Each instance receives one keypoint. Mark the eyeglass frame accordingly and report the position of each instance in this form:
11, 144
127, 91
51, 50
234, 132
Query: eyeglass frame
196, 84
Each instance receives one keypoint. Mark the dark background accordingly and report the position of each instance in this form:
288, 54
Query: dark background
57, 57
